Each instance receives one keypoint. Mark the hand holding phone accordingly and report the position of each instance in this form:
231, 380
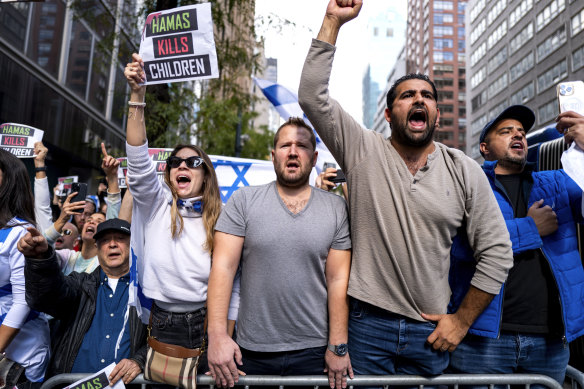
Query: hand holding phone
81, 190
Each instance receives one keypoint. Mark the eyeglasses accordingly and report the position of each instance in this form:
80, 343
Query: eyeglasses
192, 162
66, 232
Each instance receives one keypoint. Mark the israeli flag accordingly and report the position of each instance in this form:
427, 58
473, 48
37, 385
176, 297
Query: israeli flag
286, 103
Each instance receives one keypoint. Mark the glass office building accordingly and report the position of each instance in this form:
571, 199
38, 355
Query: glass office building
65, 77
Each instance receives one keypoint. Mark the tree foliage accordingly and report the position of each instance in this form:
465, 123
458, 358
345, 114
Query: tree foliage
211, 112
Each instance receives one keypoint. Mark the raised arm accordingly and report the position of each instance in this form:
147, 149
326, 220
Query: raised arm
223, 351
42, 195
113, 199
338, 12
136, 129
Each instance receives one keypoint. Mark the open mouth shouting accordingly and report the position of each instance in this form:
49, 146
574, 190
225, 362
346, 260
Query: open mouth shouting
293, 165
183, 181
417, 119
517, 145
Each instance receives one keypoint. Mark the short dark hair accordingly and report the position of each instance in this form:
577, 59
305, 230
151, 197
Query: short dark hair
391, 94
300, 123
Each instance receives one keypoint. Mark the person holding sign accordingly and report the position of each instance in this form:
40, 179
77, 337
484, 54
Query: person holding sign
24, 333
172, 229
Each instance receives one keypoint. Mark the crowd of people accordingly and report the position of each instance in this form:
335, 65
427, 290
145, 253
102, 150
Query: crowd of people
430, 264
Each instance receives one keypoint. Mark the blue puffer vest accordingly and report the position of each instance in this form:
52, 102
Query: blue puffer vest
560, 249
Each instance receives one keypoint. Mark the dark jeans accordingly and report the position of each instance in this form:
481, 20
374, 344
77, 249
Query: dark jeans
308, 361
181, 329
381, 342
511, 353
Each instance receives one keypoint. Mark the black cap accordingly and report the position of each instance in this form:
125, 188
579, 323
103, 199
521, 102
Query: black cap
117, 225
521, 113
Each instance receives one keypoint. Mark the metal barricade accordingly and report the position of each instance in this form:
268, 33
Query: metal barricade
450, 380
575, 377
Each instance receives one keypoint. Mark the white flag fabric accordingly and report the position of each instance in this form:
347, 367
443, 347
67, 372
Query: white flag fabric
286, 103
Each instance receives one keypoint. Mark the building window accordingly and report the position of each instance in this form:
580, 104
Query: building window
497, 86
442, 43
521, 67
521, 39
578, 58
461, 32
478, 77
445, 95
443, 5
478, 53
477, 9
548, 111
446, 108
578, 22
443, 82
495, 11
443, 18
479, 100
461, 45
478, 124
552, 76
496, 35
549, 12
497, 109
519, 12
440, 69
523, 95
443, 30
497, 60
443, 56
478, 31
551, 43
446, 122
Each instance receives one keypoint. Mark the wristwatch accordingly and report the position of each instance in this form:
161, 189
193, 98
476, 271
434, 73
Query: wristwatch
339, 349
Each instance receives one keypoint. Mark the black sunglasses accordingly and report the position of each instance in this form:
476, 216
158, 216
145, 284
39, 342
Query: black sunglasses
66, 232
192, 162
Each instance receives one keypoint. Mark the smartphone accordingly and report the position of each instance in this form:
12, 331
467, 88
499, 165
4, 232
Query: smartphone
326, 165
339, 178
571, 96
81, 190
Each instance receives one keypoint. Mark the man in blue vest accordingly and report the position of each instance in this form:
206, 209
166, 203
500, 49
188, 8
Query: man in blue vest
524, 329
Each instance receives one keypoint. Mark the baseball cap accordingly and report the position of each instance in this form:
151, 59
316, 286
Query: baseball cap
117, 225
521, 113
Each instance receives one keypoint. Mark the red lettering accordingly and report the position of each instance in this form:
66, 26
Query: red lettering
160, 48
184, 41
13, 141
169, 44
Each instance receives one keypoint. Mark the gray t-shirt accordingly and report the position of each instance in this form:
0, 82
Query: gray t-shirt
283, 294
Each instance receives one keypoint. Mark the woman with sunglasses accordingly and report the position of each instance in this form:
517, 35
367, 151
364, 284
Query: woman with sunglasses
172, 227
24, 334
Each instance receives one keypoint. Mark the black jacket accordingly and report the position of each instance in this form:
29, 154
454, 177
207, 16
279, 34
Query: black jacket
72, 300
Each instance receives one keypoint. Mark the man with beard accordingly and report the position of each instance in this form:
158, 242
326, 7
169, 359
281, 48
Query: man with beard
409, 197
293, 246
525, 324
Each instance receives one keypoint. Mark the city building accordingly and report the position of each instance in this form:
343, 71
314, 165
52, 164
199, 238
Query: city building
519, 51
385, 38
61, 75
436, 47
399, 69
267, 117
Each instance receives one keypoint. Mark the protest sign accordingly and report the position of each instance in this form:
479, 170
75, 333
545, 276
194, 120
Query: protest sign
98, 380
19, 139
178, 45
64, 185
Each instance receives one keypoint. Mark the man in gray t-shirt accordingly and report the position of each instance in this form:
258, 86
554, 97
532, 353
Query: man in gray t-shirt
292, 244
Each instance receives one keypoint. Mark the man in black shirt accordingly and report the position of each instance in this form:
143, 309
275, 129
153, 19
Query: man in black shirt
526, 329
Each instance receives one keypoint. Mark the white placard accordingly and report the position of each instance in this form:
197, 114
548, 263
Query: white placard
19, 139
178, 45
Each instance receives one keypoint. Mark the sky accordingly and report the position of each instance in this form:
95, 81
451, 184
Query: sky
289, 26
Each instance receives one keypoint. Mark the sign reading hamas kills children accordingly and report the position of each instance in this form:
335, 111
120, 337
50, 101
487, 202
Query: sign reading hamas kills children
19, 139
178, 45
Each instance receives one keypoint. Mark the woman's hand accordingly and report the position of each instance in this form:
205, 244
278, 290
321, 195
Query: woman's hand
134, 73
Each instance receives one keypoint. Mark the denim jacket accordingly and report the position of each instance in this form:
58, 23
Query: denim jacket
560, 249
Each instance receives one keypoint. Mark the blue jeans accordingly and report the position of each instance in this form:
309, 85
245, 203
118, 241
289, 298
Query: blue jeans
181, 329
512, 353
382, 343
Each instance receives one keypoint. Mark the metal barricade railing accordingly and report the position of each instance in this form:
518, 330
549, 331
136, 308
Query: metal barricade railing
450, 380
576, 377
